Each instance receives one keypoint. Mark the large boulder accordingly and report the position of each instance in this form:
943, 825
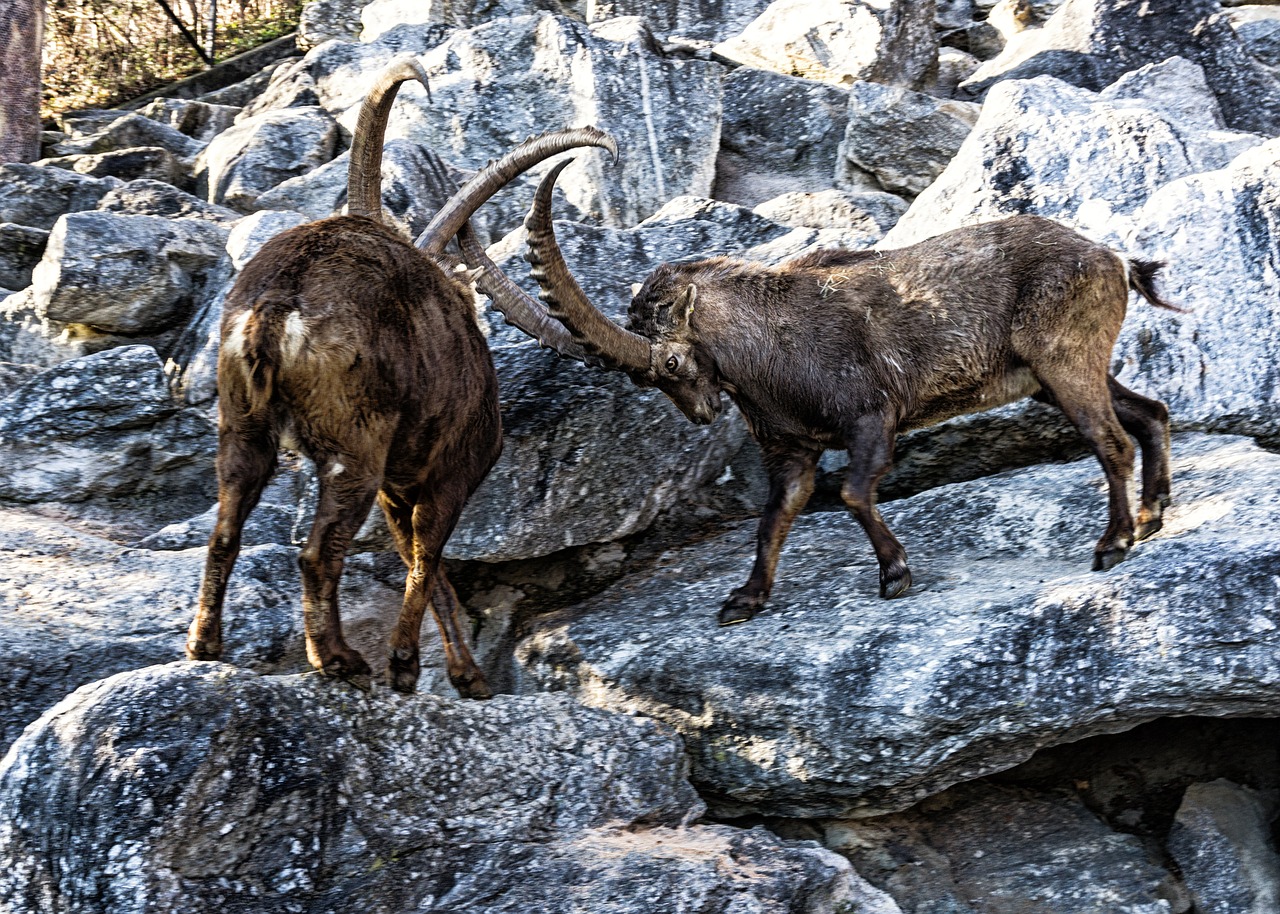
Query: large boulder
151, 162
125, 273
835, 701
21, 248
702, 20
1090, 43
902, 139
36, 196
494, 85
207, 788
130, 131
199, 120
840, 41
763, 155
244, 162
100, 427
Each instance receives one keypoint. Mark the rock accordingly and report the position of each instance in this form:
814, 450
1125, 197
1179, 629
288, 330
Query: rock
88, 121
35, 196
21, 247
102, 426
124, 273
290, 86
841, 41
410, 192
902, 139
496, 84
871, 213
201, 121
154, 198
381, 16
1091, 43
696, 19
836, 702
954, 67
342, 802
1261, 39
1001, 850
239, 94
129, 132
246, 161
1090, 160
953, 14
1219, 235
150, 162
1222, 841
327, 20
762, 155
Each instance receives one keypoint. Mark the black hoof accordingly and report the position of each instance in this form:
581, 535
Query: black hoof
1109, 558
348, 667
895, 582
739, 608
472, 685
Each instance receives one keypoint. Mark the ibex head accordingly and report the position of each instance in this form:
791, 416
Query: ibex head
659, 350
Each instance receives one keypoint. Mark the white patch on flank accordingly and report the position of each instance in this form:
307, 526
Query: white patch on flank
337, 470
295, 334
234, 342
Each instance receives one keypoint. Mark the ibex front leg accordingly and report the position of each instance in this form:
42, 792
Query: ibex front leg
791, 470
870, 457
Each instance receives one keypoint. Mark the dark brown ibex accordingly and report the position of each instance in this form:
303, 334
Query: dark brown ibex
344, 340
844, 349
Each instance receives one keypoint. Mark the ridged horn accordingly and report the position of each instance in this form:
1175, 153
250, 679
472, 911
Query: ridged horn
364, 173
494, 176
520, 309
615, 346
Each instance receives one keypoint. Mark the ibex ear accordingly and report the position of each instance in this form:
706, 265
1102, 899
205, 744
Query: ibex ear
683, 307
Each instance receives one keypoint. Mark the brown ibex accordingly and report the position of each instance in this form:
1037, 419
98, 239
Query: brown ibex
342, 339
844, 349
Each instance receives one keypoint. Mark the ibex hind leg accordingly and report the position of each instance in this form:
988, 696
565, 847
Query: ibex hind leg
1087, 403
245, 464
871, 445
346, 495
430, 521
1146, 420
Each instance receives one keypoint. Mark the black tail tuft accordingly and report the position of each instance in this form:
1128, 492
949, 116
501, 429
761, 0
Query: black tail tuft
1142, 274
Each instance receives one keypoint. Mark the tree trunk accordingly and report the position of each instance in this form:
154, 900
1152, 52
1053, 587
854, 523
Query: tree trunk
21, 35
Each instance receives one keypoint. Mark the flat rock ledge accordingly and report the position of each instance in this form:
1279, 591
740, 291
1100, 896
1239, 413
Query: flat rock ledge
198, 787
835, 702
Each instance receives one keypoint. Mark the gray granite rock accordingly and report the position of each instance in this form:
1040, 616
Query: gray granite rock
247, 160
763, 155
840, 41
986, 849
21, 248
199, 120
210, 788
1222, 842
36, 196
835, 701
99, 427
130, 131
902, 139
1091, 43
703, 20
154, 198
870, 212
125, 273
152, 162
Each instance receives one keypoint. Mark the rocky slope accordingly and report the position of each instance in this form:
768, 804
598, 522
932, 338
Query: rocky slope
1019, 735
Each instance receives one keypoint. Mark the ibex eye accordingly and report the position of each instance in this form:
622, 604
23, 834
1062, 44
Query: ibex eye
672, 364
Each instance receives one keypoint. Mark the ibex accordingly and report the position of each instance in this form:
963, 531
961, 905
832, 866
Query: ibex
342, 339
844, 349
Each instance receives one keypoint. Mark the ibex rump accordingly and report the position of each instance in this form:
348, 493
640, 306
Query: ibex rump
844, 349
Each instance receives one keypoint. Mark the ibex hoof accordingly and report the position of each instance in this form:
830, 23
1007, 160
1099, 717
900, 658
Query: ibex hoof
348, 666
204, 650
895, 581
1147, 527
402, 670
472, 684
740, 608
1109, 558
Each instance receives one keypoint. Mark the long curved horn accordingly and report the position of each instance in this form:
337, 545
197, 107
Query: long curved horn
598, 336
364, 173
520, 310
496, 175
